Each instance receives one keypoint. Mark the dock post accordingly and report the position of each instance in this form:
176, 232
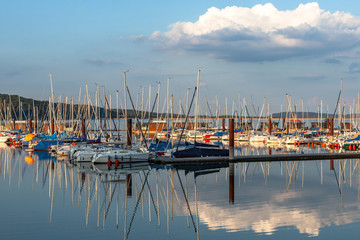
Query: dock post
287, 128
283, 124
331, 129
30, 125
83, 131
270, 126
223, 124
129, 132
327, 123
35, 125
129, 184
231, 183
13, 124
52, 127
231, 139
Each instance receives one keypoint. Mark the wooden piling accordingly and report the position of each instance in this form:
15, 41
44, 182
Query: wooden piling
129, 132
30, 125
52, 126
223, 124
287, 127
331, 127
231, 138
83, 131
283, 124
35, 125
13, 124
270, 126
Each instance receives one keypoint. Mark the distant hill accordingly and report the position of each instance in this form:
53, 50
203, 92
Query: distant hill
80, 111
42, 109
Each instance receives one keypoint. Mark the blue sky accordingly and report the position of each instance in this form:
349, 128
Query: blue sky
264, 51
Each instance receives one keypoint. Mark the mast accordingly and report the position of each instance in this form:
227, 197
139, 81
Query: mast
125, 97
197, 103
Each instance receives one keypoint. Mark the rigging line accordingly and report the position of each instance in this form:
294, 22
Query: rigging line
111, 198
187, 116
337, 181
152, 110
152, 198
137, 118
137, 203
187, 202
337, 103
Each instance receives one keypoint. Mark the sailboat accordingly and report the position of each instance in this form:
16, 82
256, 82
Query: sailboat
200, 149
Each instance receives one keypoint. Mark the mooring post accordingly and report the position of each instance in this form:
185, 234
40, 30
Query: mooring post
231, 139
129, 132
231, 183
270, 126
83, 131
35, 125
13, 124
331, 129
30, 125
287, 127
283, 124
223, 124
52, 126
327, 123
129, 185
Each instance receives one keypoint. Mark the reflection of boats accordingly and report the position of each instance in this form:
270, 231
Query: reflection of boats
121, 155
200, 169
121, 169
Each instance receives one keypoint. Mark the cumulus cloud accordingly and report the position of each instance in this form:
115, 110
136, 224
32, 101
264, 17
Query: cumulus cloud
262, 33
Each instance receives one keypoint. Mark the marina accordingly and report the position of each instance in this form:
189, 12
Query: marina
180, 120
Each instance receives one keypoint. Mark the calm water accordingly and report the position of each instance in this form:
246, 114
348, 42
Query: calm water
42, 198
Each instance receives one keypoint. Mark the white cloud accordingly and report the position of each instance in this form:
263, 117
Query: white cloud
262, 33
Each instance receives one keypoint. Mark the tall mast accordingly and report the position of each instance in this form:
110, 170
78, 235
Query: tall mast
197, 102
167, 102
125, 97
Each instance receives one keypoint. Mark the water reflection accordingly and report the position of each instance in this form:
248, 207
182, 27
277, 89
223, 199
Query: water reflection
181, 201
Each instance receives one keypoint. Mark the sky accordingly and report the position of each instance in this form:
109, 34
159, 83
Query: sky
249, 50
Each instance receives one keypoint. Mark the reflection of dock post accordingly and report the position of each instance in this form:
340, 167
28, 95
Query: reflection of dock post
332, 164
129, 132
231, 157
231, 183
129, 184
231, 139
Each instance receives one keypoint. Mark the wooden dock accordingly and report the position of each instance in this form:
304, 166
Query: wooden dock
254, 158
